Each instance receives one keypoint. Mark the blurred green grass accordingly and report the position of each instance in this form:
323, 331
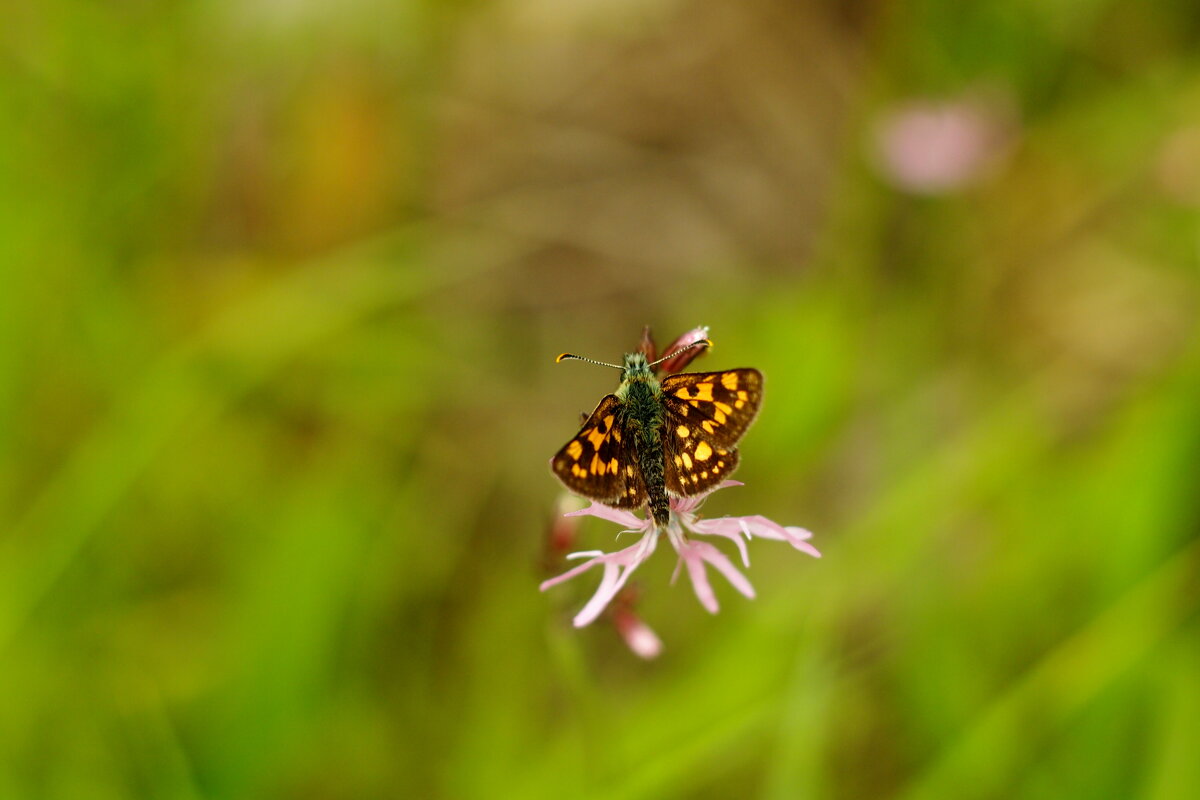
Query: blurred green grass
280, 290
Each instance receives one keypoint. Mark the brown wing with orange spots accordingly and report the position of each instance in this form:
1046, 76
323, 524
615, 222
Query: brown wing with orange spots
693, 465
599, 462
707, 414
718, 406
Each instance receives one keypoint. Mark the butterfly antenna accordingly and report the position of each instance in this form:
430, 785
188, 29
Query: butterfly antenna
573, 357
673, 353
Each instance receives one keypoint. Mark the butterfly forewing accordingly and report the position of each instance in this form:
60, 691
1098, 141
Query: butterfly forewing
599, 462
717, 407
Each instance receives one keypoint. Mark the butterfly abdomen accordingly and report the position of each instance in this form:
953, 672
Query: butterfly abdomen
644, 412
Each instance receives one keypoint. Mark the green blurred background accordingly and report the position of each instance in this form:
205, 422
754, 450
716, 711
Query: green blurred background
281, 284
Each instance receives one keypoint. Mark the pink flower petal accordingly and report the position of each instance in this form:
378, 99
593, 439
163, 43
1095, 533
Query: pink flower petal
797, 538
727, 528
694, 555
646, 346
723, 565
605, 592
641, 551
566, 576
638, 635
618, 567
718, 526
764, 528
626, 518
691, 337
700, 584
687, 505
675, 364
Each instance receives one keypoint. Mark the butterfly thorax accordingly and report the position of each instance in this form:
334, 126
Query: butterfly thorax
641, 402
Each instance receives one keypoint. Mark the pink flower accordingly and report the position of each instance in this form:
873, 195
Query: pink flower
678, 362
639, 637
934, 147
696, 556
672, 365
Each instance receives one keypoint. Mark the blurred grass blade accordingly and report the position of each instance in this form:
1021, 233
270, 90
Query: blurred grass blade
991, 755
247, 342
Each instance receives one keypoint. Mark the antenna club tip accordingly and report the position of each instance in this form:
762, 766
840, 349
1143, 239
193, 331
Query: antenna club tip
707, 342
560, 357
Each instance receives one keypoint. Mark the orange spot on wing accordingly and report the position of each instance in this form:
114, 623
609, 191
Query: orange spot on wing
596, 438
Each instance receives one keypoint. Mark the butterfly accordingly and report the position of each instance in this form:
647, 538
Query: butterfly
653, 439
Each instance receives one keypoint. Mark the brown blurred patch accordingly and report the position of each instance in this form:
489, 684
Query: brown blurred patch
580, 135
313, 161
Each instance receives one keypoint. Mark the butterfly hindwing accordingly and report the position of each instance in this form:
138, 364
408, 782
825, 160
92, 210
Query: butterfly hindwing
693, 465
635, 495
598, 463
717, 407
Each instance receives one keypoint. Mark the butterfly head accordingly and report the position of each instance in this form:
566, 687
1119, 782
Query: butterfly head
636, 368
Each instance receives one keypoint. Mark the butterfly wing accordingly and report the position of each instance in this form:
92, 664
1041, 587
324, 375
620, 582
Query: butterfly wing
719, 406
693, 465
707, 413
598, 463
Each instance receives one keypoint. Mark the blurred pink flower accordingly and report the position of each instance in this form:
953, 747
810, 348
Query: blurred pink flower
934, 147
640, 638
672, 365
678, 362
694, 555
